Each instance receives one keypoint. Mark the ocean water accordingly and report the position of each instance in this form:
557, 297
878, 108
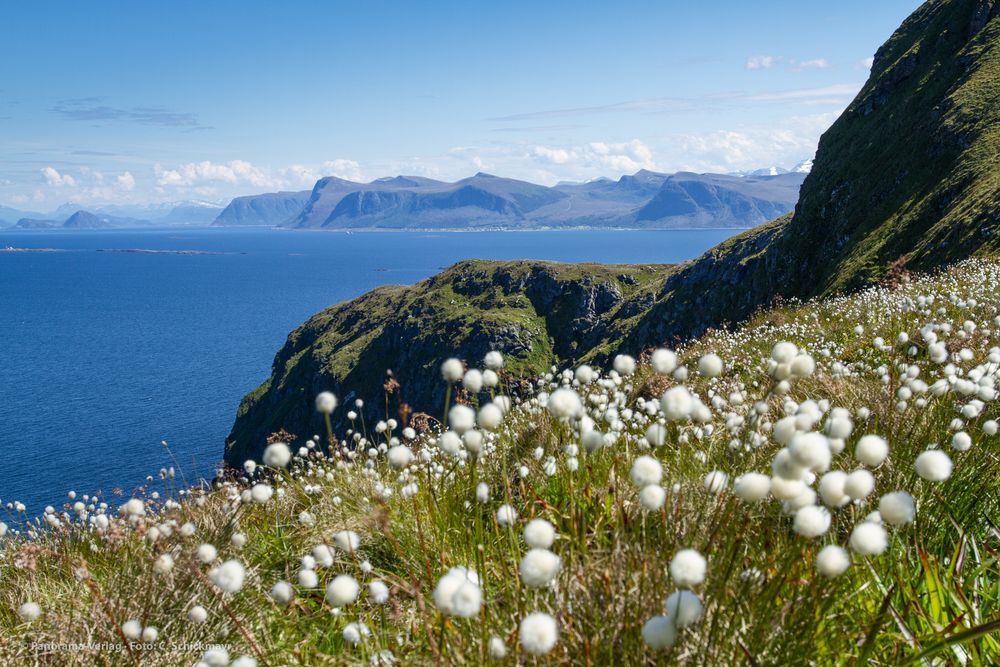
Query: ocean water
106, 352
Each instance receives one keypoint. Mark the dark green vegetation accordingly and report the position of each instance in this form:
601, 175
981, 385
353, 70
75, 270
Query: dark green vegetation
907, 178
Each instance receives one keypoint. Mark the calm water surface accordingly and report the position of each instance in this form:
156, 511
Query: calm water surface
106, 353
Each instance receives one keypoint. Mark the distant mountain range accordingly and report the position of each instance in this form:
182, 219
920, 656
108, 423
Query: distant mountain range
75, 216
645, 199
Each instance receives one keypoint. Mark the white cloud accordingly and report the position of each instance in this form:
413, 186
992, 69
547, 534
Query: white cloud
762, 62
597, 157
553, 155
816, 63
126, 181
342, 168
57, 180
866, 63
197, 174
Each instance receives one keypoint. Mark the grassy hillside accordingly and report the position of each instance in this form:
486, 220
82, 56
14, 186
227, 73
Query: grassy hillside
538, 313
625, 481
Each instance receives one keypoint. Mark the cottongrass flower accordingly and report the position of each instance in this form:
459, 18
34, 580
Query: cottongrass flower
458, 594
659, 633
132, 629
859, 484
961, 441
163, 564
452, 370
871, 450
354, 633
539, 567
206, 553
663, 361
897, 508
710, 365
869, 539
683, 608
716, 481
228, 576
244, 661
483, 492
215, 656
811, 521
646, 470
490, 416
677, 403
565, 404
493, 360
150, 634
399, 456
832, 561
539, 533
277, 455
506, 515
831, 489
342, 591
308, 579
688, 568
933, 465
498, 649
347, 540
623, 364
652, 497
472, 381
462, 418
326, 403
261, 493
752, 487
282, 592
378, 592
538, 633
197, 614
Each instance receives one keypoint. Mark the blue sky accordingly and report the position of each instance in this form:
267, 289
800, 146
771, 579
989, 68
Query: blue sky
138, 102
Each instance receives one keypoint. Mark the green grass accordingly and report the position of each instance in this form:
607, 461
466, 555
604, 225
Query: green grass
931, 599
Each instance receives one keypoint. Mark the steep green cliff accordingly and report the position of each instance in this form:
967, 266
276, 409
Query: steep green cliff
537, 313
908, 176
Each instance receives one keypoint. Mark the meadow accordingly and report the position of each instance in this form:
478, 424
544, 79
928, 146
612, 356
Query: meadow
818, 486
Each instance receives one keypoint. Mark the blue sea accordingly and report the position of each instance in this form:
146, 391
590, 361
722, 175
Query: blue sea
107, 352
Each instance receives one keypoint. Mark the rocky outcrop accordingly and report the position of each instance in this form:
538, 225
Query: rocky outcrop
536, 313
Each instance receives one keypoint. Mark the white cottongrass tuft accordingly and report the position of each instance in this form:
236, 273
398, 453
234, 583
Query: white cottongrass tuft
565, 404
493, 360
282, 592
378, 592
897, 508
506, 515
539, 533
869, 539
347, 540
871, 450
646, 470
659, 633
326, 403
277, 455
400, 456
752, 487
623, 364
538, 633
688, 568
811, 521
452, 370
832, 561
710, 365
933, 465
677, 403
859, 484
684, 608
458, 594
207, 553
539, 567
961, 441
228, 576
498, 649
342, 590
663, 361
716, 481
652, 497
261, 493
